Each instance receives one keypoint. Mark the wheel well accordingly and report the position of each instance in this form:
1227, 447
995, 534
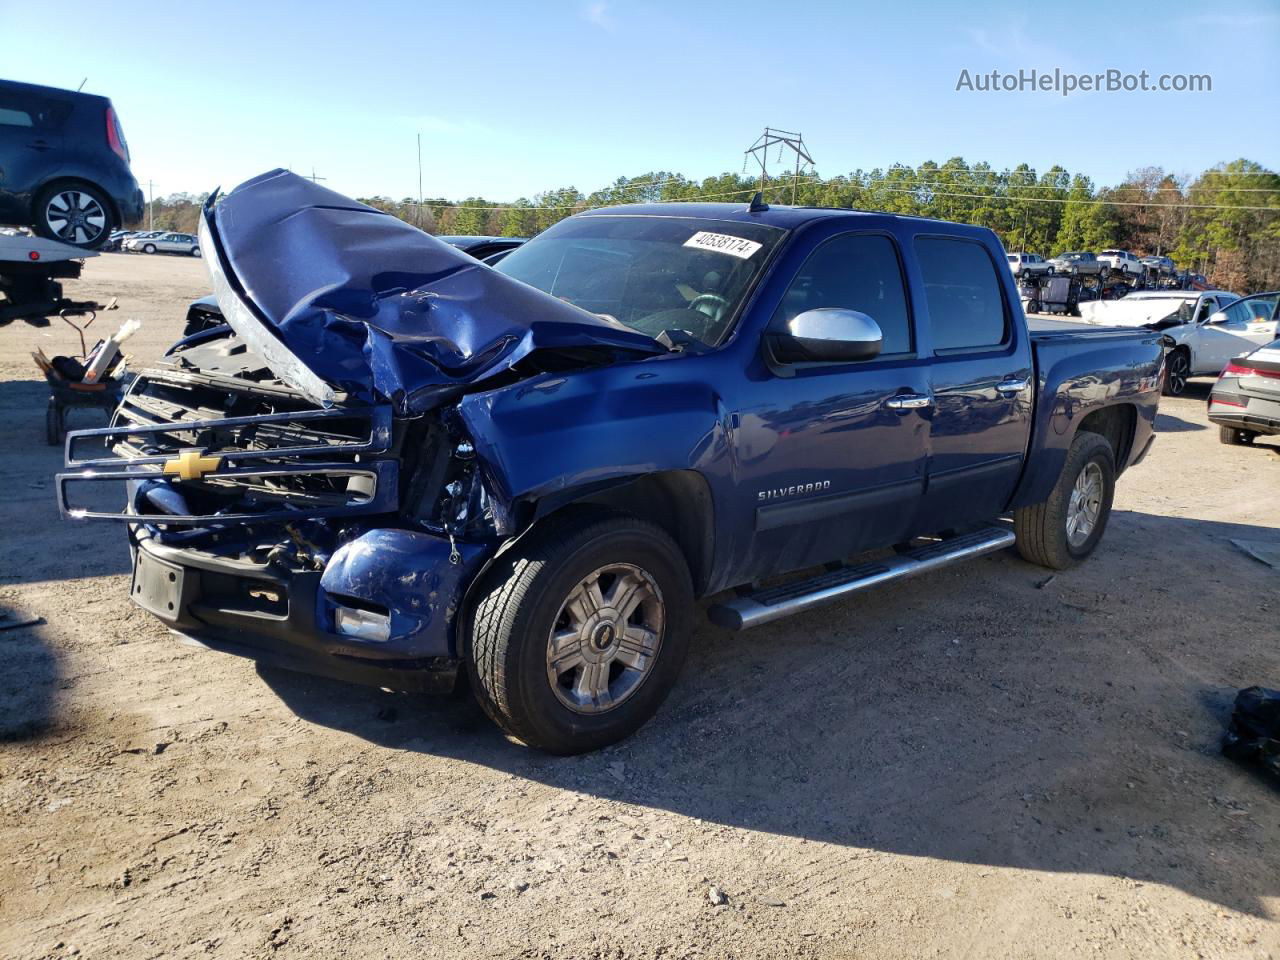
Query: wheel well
678, 501
1117, 424
74, 182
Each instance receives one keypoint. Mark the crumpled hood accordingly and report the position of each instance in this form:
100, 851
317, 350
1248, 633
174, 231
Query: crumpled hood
1129, 313
349, 303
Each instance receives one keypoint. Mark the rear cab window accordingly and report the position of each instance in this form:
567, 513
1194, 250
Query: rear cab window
962, 291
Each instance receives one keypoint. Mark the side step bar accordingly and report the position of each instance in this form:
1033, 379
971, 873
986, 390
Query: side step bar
774, 603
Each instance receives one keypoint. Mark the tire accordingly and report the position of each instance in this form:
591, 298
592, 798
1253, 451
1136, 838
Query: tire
525, 597
1235, 437
1042, 529
195, 251
149, 248
77, 214
1177, 370
1033, 306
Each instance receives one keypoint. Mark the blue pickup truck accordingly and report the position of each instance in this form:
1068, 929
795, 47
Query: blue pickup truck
388, 462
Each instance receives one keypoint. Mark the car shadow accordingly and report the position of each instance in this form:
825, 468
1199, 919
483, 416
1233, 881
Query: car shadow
986, 714
35, 541
1168, 423
30, 680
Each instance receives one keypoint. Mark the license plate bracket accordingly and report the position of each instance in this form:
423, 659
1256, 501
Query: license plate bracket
157, 586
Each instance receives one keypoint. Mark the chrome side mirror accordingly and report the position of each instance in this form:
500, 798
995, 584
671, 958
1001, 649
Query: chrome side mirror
827, 335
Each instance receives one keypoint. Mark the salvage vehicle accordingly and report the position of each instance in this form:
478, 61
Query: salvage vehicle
1078, 264
1027, 265
1160, 266
64, 165
1245, 402
1123, 262
159, 241
1205, 329
393, 462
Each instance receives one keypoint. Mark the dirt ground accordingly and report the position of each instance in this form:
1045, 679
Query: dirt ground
983, 762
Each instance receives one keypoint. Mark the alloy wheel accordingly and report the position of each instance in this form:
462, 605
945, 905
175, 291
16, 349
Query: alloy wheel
75, 217
605, 639
1085, 504
1179, 370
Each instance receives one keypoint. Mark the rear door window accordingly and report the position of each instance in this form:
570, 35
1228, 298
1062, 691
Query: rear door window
962, 290
858, 272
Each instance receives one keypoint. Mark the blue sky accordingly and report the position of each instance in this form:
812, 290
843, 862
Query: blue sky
512, 98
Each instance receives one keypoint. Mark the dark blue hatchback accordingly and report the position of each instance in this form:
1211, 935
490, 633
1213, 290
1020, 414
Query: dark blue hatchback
64, 165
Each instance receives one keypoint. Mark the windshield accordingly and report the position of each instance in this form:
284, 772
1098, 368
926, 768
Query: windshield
652, 274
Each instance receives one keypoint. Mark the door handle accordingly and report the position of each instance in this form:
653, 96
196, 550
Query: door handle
1011, 386
909, 401
41, 145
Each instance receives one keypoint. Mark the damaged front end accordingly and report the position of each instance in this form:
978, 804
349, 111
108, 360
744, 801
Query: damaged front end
296, 483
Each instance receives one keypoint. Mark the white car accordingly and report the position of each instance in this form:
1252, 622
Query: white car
161, 242
1029, 265
1208, 328
1122, 261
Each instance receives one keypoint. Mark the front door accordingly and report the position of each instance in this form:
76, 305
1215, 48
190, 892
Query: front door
1245, 326
830, 458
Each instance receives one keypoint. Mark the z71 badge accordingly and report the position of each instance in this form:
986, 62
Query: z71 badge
794, 491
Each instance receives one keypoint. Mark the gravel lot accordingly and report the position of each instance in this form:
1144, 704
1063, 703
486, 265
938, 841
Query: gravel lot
975, 763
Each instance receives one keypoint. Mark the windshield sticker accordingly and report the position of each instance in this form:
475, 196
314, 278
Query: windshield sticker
723, 243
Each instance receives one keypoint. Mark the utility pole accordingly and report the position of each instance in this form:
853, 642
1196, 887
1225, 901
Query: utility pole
782, 139
313, 178
419, 181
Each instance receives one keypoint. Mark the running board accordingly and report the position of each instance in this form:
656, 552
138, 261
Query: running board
774, 603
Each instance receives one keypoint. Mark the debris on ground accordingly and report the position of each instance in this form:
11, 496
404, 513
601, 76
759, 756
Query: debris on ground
1254, 734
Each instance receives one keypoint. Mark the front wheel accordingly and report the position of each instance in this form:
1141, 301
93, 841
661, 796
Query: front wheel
1066, 528
580, 630
1176, 373
149, 248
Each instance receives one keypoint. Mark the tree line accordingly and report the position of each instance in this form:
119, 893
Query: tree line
1224, 223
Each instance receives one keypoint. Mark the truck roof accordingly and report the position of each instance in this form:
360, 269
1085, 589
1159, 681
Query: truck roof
776, 215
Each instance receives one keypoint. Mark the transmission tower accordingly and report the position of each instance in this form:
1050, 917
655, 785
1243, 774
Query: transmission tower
782, 139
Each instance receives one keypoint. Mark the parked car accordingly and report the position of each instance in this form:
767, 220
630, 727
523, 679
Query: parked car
1245, 402
116, 241
1077, 263
164, 242
130, 243
64, 164
1160, 266
1207, 328
389, 466
482, 248
1028, 265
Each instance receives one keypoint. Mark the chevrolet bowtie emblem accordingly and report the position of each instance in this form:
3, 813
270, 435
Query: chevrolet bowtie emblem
191, 465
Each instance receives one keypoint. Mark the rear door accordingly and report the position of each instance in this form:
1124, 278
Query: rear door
832, 455
981, 379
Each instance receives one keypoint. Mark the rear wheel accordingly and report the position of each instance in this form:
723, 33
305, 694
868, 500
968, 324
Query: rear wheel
580, 630
1176, 373
1065, 528
1234, 436
76, 214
